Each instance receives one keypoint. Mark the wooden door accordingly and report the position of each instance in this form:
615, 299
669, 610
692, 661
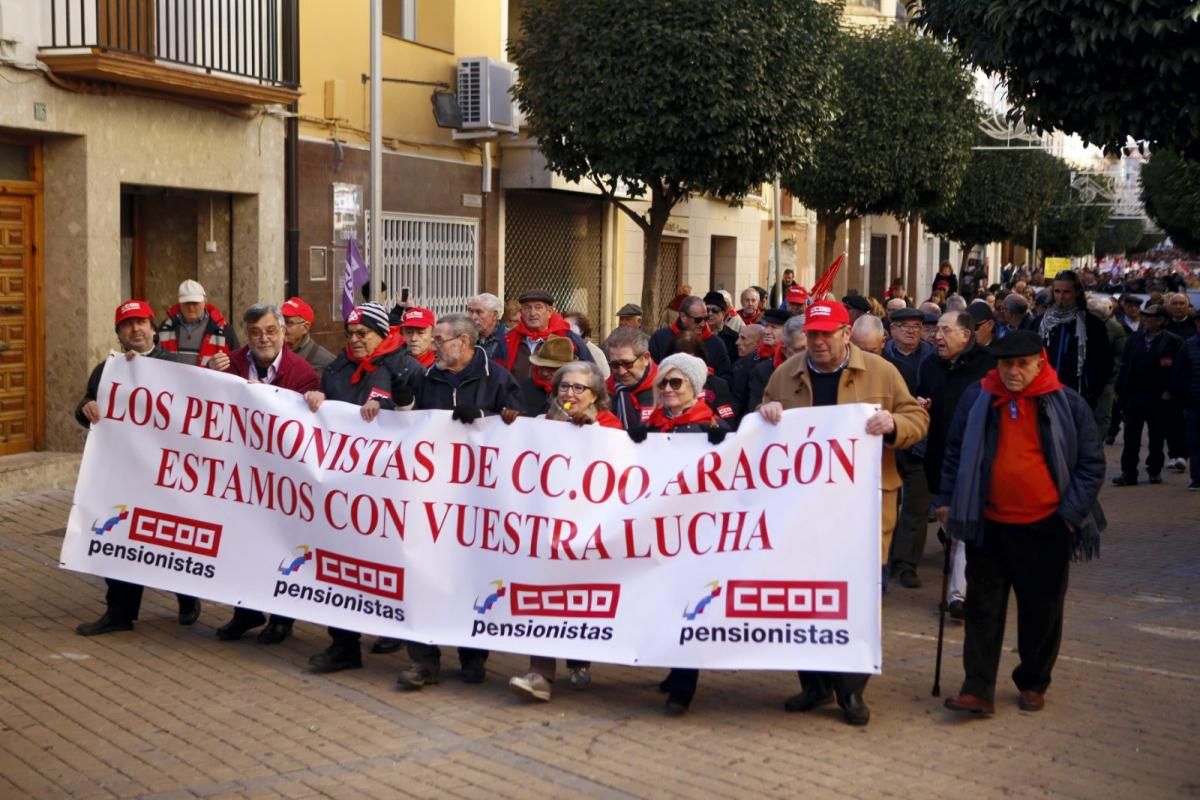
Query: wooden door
18, 428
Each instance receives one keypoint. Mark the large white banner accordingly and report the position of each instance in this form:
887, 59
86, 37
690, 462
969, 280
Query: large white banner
537, 537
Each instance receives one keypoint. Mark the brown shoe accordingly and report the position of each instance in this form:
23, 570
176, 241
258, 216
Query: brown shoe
1031, 700
971, 703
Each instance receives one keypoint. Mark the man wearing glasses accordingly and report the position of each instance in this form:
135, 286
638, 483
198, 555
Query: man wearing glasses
714, 303
693, 316
297, 322
631, 382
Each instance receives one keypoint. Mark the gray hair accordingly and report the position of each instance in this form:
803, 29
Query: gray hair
956, 302
795, 324
866, 325
490, 302
895, 304
633, 338
1016, 304
461, 324
595, 381
259, 310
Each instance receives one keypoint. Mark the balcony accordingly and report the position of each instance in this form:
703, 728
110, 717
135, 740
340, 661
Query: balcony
227, 51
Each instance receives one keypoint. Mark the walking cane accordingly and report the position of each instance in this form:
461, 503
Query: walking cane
937, 669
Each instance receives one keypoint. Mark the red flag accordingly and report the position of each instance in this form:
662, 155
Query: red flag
824, 284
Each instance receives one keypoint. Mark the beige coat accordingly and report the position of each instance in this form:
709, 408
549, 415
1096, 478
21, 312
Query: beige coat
868, 378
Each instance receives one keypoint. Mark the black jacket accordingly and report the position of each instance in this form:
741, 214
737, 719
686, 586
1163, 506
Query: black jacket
1147, 369
1097, 365
1186, 385
750, 376
482, 384
93, 384
535, 401
943, 383
714, 346
337, 381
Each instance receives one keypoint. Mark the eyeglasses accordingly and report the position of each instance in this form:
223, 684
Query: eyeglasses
263, 333
573, 388
615, 365
697, 320
357, 333
674, 384
715, 310
907, 326
291, 323
438, 341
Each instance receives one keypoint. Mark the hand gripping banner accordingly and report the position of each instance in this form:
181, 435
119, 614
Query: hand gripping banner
538, 537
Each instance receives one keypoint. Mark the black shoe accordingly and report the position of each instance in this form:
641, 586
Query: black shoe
274, 633
1156, 478
957, 609
1125, 480
677, 704
236, 628
384, 646
854, 710
189, 611
664, 686
106, 624
909, 580
417, 676
335, 659
807, 700
473, 672
1194, 486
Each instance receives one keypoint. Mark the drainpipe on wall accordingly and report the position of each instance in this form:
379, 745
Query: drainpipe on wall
291, 189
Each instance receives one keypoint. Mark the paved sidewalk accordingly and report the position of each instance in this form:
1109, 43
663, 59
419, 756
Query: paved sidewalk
170, 712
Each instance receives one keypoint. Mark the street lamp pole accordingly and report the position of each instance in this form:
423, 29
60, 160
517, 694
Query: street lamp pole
374, 248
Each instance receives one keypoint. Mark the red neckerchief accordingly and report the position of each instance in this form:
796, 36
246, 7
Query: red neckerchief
645, 383
1045, 382
705, 332
750, 320
367, 365
699, 413
544, 385
427, 358
556, 326
765, 350
780, 357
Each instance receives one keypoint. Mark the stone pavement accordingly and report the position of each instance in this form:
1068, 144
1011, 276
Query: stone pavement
170, 712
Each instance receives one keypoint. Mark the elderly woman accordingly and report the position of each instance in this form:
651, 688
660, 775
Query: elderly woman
679, 407
578, 396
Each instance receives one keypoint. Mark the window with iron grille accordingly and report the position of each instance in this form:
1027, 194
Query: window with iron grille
670, 259
435, 258
553, 242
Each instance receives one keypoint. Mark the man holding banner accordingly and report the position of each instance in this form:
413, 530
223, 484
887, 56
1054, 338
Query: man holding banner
833, 371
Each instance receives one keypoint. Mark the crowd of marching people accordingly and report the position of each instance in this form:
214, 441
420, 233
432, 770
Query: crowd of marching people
994, 402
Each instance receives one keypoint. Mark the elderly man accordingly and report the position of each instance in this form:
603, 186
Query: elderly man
1076, 342
751, 310
135, 332
693, 315
905, 345
856, 305
631, 381
416, 326
195, 328
795, 340
714, 303
985, 322
1179, 315
1019, 488
486, 311
1101, 306
629, 316
465, 381
940, 385
536, 390
264, 359
538, 322
797, 299
1017, 311
1131, 312
834, 371
867, 334
1144, 392
297, 322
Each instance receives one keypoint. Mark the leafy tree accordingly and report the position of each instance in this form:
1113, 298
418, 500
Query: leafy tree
1121, 236
1171, 196
1002, 195
1068, 227
1103, 69
665, 99
902, 135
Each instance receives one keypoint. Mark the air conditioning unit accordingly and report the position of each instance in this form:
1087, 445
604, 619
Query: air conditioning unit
485, 95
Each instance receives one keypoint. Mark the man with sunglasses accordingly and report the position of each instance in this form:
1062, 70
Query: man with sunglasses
693, 315
829, 372
631, 382
714, 303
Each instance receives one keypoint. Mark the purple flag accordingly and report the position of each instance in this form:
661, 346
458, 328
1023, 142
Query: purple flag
356, 275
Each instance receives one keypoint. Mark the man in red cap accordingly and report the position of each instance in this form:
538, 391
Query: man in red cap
135, 331
297, 322
797, 299
416, 326
829, 372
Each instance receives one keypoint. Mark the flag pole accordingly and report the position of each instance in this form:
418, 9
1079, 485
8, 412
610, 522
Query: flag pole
374, 248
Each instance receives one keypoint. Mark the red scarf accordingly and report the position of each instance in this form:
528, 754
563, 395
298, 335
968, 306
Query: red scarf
780, 357
699, 413
427, 358
765, 350
544, 385
750, 320
556, 326
647, 382
705, 332
367, 365
1045, 382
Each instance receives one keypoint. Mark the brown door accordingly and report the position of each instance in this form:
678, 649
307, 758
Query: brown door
17, 380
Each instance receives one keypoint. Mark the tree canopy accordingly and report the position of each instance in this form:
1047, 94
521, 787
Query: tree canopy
1003, 194
1103, 69
669, 98
902, 133
1069, 227
1120, 236
1171, 197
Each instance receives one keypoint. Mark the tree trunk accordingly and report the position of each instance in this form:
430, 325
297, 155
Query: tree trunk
830, 245
652, 301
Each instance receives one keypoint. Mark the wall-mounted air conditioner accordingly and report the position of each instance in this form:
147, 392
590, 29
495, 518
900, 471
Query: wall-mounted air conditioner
485, 95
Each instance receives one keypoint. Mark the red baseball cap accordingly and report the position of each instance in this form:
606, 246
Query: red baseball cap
797, 294
295, 307
826, 315
134, 309
418, 318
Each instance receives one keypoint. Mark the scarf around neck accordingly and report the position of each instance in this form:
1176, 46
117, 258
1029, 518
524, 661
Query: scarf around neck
369, 364
699, 413
1045, 382
1056, 316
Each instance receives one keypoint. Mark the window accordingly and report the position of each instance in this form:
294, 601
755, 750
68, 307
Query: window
400, 19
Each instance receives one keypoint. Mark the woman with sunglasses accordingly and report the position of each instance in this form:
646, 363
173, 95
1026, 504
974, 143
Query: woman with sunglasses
679, 407
577, 395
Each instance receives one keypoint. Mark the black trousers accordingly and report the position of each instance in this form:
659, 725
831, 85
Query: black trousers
1155, 418
1033, 560
430, 655
241, 614
841, 684
681, 682
124, 600
908, 545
